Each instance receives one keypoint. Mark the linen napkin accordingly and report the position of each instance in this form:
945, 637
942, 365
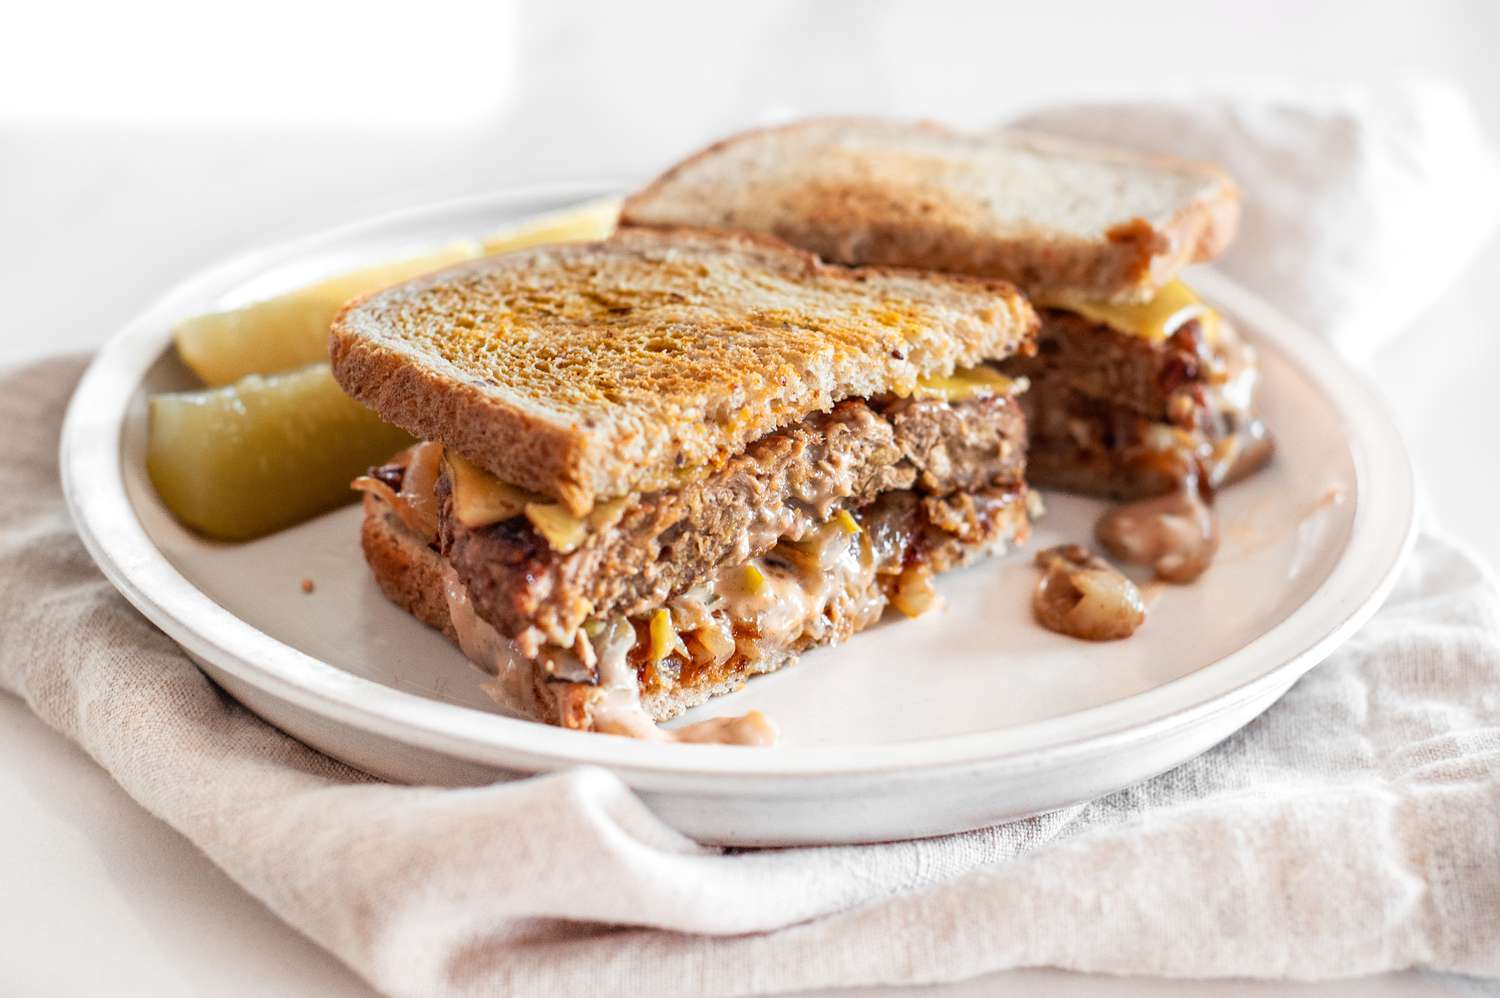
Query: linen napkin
1352, 829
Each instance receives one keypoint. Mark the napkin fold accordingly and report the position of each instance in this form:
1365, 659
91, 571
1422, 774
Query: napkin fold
1352, 829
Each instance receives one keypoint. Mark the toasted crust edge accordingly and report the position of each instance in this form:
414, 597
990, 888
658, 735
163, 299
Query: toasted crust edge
1132, 264
540, 455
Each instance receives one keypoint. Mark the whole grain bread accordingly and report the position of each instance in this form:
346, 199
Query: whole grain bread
593, 370
1059, 218
409, 573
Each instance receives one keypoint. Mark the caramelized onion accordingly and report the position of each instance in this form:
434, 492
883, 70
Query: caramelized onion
398, 505
617, 708
914, 594
416, 505
419, 483
1082, 596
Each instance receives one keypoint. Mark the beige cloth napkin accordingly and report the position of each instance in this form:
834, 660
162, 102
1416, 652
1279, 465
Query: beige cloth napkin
1354, 828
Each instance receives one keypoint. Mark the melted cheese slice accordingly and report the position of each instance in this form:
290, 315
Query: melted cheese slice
664, 637
1154, 320
968, 382
480, 500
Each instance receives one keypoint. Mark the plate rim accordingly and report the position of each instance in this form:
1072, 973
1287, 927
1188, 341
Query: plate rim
91, 463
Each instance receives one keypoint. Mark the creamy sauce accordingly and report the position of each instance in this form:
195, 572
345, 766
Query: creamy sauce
512, 687
769, 598
1240, 455
1176, 534
1239, 371
782, 595
1248, 446
691, 614
617, 710
772, 522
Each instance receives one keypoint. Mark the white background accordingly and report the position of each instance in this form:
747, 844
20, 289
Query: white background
139, 142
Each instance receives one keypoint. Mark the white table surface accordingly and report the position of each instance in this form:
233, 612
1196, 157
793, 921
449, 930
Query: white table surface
101, 211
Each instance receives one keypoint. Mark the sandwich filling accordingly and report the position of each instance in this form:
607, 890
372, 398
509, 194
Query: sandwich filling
654, 603
1153, 404
783, 487
1129, 401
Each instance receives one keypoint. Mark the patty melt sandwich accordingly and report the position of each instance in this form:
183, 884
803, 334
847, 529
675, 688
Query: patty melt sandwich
660, 464
1136, 386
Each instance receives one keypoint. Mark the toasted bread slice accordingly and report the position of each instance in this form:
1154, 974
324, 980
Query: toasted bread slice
1059, 218
594, 370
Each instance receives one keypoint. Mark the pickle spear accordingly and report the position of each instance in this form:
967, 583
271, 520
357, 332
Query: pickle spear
255, 454
595, 220
290, 330
241, 461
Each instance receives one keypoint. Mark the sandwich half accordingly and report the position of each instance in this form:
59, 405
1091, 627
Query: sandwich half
657, 465
1136, 384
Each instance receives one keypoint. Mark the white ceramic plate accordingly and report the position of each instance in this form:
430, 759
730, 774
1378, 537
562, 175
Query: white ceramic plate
957, 720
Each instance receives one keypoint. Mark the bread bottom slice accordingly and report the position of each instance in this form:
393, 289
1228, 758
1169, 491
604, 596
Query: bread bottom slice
901, 541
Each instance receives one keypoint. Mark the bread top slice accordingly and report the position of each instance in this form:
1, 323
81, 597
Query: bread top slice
592, 370
1061, 219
